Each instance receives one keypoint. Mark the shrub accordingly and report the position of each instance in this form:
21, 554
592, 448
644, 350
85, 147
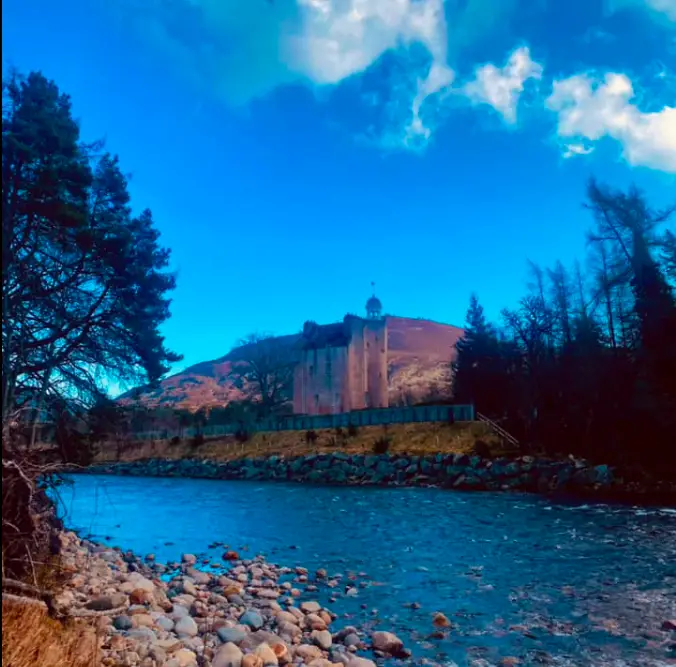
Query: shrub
311, 436
352, 431
339, 431
242, 435
198, 440
482, 449
175, 440
381, 445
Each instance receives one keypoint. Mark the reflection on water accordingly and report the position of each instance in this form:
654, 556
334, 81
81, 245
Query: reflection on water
519, 576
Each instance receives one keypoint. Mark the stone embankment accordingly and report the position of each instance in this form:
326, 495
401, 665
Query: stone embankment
453, 471
176, 615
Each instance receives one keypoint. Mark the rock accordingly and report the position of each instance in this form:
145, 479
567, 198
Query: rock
669, 624
231, 635
356, 661
252, 619
186, 627
310, 607
266, 654
230, 555
165, 623
185, 658
122, 622
107, 602
440, 620
139, 581
188, 587
352, 639
189, 559
252, 660
227, 655
140, 596
387, 642
307, 652
322, 638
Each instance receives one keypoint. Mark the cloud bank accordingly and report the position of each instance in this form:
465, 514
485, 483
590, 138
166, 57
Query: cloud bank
245, 50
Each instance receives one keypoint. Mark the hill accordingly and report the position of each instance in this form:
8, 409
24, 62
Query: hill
419, 355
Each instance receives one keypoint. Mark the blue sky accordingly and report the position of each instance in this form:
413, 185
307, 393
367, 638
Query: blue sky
293, 151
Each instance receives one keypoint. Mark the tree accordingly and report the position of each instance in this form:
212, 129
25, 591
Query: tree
84, 280
262, 368
478, 373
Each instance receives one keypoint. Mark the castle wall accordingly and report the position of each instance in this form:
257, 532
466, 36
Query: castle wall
320, 381
375, 343
356, 364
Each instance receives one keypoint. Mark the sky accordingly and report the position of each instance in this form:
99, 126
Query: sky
295, 151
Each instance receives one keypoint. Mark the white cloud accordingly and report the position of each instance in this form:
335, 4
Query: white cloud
501, 87
667, 7
339, 39
661, 10
571, 150
591, 109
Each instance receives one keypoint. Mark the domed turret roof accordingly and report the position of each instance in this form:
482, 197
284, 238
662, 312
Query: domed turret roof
373, 304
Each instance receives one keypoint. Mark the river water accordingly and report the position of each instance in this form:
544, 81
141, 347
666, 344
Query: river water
518, 575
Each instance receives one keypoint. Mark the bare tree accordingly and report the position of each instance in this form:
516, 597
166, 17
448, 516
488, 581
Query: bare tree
262, 368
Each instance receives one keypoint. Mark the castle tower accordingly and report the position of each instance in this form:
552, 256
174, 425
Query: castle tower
375, 352
374, 308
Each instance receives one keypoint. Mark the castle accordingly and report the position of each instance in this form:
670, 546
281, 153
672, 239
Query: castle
343, 366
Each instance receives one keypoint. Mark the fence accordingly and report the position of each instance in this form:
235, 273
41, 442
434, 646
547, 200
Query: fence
409, 415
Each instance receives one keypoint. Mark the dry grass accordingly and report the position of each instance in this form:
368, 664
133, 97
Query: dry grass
420, 438
30, 638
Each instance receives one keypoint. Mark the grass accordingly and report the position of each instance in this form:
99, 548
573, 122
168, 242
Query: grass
414, 439
30, 638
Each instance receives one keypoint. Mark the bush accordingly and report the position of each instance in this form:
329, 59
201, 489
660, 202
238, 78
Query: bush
198, 440
339, 431
352, 431
175, 440
482, 449
381, 445
311, 436
242, 435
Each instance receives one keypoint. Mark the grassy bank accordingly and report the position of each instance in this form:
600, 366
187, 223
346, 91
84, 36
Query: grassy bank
30, 638
416, 439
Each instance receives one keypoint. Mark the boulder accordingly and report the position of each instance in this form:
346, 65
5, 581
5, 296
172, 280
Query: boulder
307, 652
387, 642
322, 638
186, 627
227, 655
252, 619
107, 602
266, 654
122, 622
252, 660
185, 658
231, 635
310, 607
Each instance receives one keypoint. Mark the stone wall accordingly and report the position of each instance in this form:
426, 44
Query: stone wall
455, 471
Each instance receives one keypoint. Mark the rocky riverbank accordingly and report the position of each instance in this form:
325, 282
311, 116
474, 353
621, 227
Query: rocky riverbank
243, 613
453, 471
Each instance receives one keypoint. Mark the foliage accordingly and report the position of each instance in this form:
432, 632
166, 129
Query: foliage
84, 280
382, 445
262, 368
311, 436
352, 431
586, 363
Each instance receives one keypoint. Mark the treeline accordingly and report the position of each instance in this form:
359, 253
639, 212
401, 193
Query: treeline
586, 361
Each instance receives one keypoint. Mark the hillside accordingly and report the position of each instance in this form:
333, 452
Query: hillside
419, 355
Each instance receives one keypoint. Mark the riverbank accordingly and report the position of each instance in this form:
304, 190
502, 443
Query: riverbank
452, 471
234, 613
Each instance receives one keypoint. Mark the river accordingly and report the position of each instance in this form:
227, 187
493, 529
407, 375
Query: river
519, 576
